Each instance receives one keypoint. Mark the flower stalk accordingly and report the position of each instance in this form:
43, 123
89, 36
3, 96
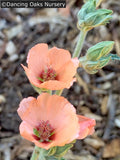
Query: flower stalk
35, 154
80, 43
59, 92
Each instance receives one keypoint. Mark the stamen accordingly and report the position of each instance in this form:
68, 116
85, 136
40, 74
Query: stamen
43, 132
47, 74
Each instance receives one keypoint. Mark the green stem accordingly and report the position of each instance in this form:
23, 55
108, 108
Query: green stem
79, 45
49, 91
59, 92
35, 154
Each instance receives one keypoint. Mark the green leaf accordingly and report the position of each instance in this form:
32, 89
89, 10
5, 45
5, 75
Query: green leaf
61, 151
51, 151
40, 90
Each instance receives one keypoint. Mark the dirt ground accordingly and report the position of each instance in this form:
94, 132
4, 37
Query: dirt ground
96, 96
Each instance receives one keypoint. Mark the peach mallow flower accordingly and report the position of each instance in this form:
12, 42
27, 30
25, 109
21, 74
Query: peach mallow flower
50, 120
52, 69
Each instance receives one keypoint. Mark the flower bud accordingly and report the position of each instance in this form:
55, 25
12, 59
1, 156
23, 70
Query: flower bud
92, 67
89, 17
97, 57
99, 50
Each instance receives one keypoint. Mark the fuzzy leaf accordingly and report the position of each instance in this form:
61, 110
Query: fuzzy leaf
61, 151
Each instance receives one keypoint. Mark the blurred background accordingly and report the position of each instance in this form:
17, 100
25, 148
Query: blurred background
95, 96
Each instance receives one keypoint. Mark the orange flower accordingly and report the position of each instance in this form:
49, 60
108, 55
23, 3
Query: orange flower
50, 120
50, 69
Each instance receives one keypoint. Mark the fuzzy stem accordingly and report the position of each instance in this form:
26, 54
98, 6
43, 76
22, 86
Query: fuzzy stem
49, 91
59, 92
35, 154
79, 45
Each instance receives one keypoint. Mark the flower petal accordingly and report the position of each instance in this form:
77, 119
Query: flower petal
31, 76
26, 131
86, 126
37, 58
62, 117
58, 57
66, 73
54, 85
27, 110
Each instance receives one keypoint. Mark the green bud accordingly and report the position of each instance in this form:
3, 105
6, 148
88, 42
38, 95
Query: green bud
89, 17
86, 9
92, 67
97, 57
99, 50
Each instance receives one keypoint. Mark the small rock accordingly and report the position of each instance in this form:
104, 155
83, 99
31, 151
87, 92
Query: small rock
18, 19
14, 31
106, 85
71, 156
2, 24
2, 99
93, 116
117, 121
77, 89
24, 11
96, 143
13, 58
104, 33
10, 48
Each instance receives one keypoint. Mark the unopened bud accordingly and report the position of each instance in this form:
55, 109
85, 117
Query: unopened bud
92, 67
99, 50
97, 57
90, 17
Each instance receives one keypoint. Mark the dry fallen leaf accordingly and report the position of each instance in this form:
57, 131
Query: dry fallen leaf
112, 149
104, 105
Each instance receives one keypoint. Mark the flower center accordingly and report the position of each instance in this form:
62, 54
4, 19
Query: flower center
47, 74
43, 132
